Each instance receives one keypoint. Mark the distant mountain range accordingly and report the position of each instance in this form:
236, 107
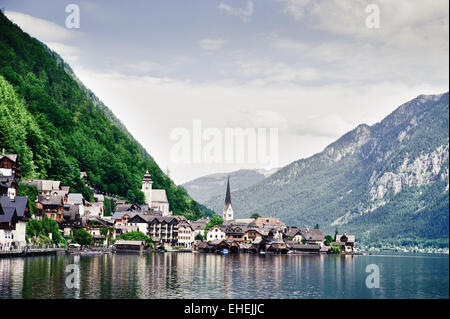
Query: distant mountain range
202, 189
387, 182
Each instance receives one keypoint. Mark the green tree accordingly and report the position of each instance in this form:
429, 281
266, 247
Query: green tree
198, 237
215, 220
82, 237
328, 240
255, 215
137, 235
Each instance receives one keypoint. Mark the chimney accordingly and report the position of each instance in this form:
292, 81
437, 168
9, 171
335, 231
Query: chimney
12, 194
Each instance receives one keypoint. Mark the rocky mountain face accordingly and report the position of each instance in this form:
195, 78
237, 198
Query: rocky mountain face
386, 182
204, 188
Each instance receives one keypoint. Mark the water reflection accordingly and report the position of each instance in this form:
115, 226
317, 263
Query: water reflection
186, 275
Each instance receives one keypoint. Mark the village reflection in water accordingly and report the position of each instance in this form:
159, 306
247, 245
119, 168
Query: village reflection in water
191, 275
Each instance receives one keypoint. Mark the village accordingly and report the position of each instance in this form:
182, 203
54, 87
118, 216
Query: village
153, 220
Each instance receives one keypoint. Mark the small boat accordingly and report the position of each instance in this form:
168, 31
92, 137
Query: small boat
224, 251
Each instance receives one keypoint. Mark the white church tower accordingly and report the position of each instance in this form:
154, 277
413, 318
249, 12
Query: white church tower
147, 188
227, 213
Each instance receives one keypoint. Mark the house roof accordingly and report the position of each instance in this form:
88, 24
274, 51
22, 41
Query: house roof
128, 242
44, 185
159, 195
313, 234
19, 203
119, 215
75, 198
50, 200
6, 214
350, 238
267, 222
12, 157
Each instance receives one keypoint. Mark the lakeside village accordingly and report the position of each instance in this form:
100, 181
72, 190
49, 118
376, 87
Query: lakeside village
72, 223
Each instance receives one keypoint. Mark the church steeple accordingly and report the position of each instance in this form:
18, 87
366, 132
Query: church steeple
227, 213
228, 195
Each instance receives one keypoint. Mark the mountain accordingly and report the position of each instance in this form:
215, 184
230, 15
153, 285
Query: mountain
58, 127
386, 182
204, 188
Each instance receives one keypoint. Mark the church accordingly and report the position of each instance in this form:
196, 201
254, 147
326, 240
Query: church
227, 214
156, 199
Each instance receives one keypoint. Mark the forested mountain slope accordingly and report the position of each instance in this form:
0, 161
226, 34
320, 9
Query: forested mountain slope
384, 182
59, 128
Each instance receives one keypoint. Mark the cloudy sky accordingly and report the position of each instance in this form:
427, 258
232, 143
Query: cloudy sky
312, 69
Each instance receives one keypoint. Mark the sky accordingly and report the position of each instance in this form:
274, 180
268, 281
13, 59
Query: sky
312, 69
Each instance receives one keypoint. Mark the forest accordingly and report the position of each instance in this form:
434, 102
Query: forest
57, 128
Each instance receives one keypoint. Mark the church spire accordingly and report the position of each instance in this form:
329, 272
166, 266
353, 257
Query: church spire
228, 196
227, 214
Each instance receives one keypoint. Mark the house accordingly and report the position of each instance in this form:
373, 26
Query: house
346, 242
94, 209
164, 230
14, 214
304, 248
121, 218
156, 199
236, 233
71, 219
44, 187
313, 236
77, 199
294, 234
141, 221
267, 222
9, 172
95, 225
185, 235
129, 246
216, 233
199, 226
50, 206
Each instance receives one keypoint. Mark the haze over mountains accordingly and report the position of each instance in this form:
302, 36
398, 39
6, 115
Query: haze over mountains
388, 181
205, 187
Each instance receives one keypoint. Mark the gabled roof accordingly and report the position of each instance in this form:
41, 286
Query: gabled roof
51, 200
11, 157
313, 234
7, 214
75, 198
119, 215
159, 195
20, 204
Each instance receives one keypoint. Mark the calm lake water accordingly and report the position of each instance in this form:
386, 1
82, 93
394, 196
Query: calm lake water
187, 275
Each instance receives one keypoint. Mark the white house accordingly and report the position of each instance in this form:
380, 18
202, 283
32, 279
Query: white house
186, 234
215, 233
14, 214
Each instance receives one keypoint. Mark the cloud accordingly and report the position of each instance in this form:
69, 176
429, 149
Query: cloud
211, 44
39, 28
53, 35
243, 13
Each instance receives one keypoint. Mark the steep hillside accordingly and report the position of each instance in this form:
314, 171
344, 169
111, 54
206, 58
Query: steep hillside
204, 188
388, 181
66, 128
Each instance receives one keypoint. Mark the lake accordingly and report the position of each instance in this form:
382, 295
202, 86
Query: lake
195, 275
